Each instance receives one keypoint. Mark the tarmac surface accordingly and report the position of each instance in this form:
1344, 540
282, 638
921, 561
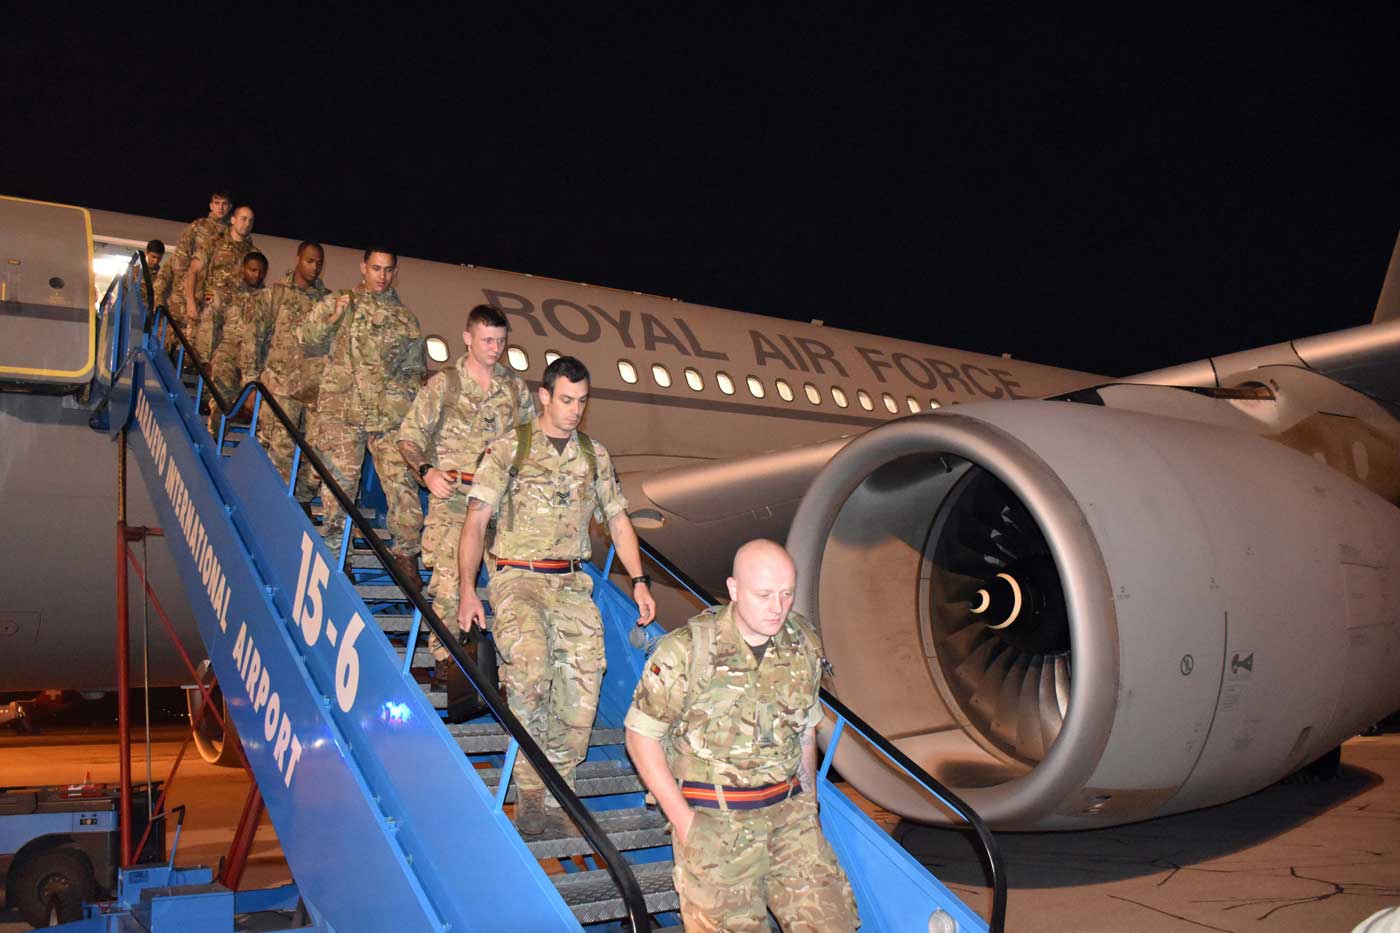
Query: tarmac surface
1293, 857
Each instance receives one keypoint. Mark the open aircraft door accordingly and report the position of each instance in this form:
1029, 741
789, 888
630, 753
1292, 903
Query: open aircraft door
46, 296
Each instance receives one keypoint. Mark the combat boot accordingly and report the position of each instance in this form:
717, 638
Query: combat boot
559, 825
530, 818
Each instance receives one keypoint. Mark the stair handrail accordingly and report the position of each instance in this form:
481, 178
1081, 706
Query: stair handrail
117, 359
617, 866
991, 850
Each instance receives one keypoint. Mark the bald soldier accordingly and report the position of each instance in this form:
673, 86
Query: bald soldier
547, 478
731, 758
460, 410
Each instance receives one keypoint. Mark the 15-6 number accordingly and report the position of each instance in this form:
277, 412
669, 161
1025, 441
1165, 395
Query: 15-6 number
308, 611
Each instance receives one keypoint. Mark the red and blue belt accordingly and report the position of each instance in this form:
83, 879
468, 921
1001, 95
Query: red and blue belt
720, 797
540, 566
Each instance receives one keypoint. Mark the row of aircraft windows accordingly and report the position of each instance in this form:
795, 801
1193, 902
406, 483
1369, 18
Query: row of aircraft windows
662, 377
519, 360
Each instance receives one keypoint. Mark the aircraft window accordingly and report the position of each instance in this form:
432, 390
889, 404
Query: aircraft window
784, 389
726, 385
437, 349
627, 371
661, 374
838, 396
933, 403
913, 404
755, 387
813, 395
519, 359
890, 404
550, 356
694, 380
865, 400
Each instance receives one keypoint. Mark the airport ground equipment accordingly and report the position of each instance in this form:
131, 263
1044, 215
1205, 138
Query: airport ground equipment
390, 819
60, 846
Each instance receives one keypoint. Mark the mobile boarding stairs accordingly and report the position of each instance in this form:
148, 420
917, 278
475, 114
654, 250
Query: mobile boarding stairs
389, 818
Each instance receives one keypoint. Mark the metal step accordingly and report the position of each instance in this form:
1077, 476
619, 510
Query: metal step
593, 897
394, 624
484, 738
594, 779
633, 828
438, 698
365, 559
389, 592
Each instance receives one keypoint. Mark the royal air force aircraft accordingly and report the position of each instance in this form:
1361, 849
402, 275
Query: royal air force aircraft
1079, 601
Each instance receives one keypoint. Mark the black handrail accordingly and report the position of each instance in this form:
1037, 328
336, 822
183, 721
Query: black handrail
616, 866
984, 834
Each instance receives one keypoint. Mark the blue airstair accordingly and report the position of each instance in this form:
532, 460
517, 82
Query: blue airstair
390, 818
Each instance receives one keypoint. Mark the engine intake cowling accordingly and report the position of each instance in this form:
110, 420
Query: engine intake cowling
1077, 616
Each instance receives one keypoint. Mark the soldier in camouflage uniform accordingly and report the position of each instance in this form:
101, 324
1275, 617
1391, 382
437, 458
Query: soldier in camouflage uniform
548, 632
229, 319
731, 758
374, 367
211, 279
155, 255
193, 241
453, 418
272, 353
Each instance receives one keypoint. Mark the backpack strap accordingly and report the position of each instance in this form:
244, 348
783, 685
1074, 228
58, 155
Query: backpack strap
524, 436
816, 662
702, 658
450, 391
585, 444
514, 399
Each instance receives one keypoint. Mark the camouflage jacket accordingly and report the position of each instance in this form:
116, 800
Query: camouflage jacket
551, 498
222, 271
375, 359
233, 317
273, 353
194, 241
745, 727
453, 432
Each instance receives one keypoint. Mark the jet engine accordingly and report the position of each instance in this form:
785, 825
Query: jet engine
1076, 616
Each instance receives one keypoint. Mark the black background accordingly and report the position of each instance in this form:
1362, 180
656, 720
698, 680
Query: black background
1109, 193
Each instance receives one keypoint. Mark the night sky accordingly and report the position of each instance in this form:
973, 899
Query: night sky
1106, 194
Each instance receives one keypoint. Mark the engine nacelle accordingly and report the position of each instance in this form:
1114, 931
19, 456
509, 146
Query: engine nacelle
1076, 616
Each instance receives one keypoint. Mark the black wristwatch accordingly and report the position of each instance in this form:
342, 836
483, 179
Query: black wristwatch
644, 578
423, 469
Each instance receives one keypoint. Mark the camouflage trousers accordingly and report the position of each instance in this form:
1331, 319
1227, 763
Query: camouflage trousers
280, 446
343, 447
549, 638
441, 532
736, 865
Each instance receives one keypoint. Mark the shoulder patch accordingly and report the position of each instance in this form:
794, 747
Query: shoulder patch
656, 669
